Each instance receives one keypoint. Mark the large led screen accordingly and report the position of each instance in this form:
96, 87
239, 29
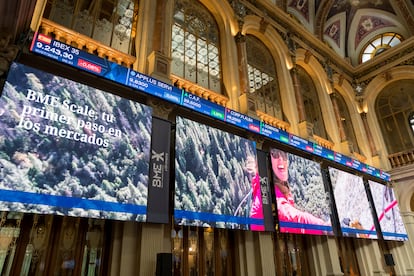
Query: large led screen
69, 149
216, 179
388, 212
302, 201
354, 212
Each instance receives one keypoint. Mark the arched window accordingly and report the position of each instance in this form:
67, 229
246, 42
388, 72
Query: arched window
195, 45
346, 121
394, 108
110, 22
311, 103
262, 78
379, 44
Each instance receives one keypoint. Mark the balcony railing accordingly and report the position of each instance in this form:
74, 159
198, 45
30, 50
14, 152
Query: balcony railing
200, 91
359, 157
400, 159
81, 41
273, 121
323, 142
92, 46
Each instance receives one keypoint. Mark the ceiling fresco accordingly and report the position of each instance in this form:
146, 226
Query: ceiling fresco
349, 25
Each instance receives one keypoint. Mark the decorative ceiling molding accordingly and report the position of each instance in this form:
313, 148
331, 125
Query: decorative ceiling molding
283, 23
321, 16
334, 34
318, 13
301, 7
407, 14
333, 31
304, 11
368, 24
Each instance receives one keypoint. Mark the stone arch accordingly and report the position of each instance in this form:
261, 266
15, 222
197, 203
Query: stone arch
346, 90
281, 56
323, 88
227, 23
373, 89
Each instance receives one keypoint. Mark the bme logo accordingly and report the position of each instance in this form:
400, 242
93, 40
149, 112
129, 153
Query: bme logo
159, 157
157, 169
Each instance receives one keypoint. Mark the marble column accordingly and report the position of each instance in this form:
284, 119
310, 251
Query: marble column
370, 258
298, 95
370, 139
325, 258
266, 253
159, 62
154, 240
246, 101
339, 122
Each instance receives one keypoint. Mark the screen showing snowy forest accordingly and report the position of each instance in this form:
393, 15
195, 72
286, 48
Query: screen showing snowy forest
302, 201
354, 212
69, 149
388, 212
215, 172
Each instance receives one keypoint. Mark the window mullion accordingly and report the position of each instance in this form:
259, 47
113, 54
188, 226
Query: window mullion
208, 65
198, 74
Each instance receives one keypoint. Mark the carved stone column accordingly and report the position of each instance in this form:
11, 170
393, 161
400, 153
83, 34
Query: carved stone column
242, 61
305, 127
370, 258
324, 258
372, 146
298, 95
346, 145
246, 101
334, 101
342, 135
159, 62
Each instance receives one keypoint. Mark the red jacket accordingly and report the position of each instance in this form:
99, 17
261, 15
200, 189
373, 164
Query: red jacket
287, 212
256, 210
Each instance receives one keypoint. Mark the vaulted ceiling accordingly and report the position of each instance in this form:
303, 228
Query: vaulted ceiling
345, 25
348, 25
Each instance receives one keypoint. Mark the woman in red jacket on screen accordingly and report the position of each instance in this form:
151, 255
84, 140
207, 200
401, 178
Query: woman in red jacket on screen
256, 211
286, 209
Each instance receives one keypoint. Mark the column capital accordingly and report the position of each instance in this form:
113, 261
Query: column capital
240, 38
363, 115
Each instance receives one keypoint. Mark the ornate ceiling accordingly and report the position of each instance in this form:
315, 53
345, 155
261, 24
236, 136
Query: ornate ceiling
348, 25
345, 25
